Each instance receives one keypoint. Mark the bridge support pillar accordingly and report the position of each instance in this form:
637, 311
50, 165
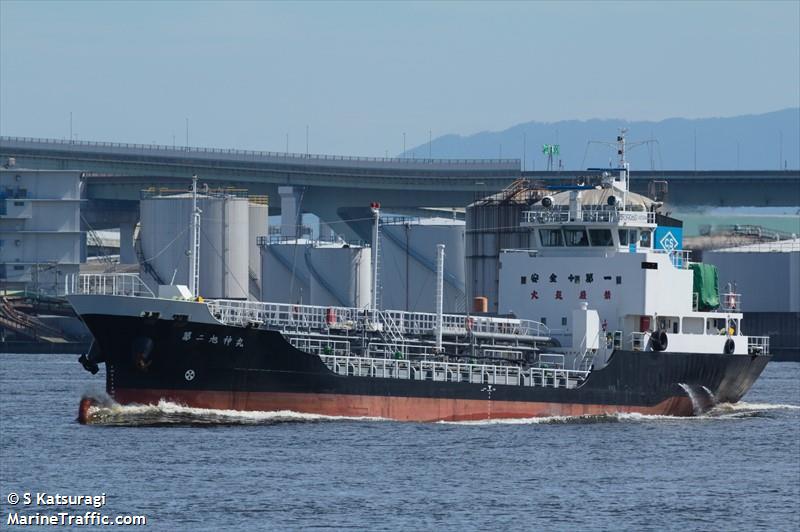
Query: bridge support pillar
127, 255
290, 211
325, 231
84, 247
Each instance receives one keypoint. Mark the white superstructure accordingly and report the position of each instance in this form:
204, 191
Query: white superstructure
592, 248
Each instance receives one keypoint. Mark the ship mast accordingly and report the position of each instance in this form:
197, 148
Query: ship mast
194, 245
623, 165
376, 212
439, 294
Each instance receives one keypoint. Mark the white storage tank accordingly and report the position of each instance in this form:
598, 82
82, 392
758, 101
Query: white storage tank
165, 241
339, 274
258, 222
408, 264
284, 274
310, 272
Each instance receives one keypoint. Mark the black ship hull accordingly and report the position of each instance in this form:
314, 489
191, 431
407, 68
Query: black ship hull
225, 367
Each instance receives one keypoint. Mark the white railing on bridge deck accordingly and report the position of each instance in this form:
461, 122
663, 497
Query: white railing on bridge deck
541, 215
251, 154
107, 284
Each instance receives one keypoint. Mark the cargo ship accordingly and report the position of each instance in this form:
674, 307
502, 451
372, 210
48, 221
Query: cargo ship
595, 318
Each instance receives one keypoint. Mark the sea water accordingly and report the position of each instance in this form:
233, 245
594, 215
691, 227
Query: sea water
734, 468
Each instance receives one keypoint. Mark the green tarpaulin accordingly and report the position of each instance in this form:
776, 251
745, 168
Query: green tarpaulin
705, 285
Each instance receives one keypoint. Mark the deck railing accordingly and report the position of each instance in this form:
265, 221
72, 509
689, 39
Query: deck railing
321, 346
639, 340
758, 345
541, 215
730, 302
680, 258
107, 284
287, 316
453, 372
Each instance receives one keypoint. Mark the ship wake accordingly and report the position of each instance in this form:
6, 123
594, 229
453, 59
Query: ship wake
721, 411
106, 412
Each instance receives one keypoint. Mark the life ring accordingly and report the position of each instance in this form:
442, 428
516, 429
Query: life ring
659, 340
730, 346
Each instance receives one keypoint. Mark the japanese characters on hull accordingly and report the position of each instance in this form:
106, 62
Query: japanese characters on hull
573, 278
212, 339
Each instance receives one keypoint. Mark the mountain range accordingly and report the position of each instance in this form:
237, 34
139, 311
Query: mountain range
767, 141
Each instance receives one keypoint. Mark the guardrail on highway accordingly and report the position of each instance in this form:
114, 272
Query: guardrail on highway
161, 149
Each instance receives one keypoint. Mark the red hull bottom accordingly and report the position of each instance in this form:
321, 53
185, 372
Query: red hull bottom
397, 408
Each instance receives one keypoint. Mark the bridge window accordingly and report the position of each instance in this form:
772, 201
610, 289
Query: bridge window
601, 237
551, 237
576, 237
644, 239
627, 236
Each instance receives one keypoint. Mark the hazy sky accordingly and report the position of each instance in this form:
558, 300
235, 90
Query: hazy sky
360, 74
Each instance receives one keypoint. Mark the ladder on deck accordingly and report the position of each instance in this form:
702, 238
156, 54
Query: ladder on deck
389, 331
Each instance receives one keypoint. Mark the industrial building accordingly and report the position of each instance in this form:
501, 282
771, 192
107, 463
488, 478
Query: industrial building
767, 275
40, 230
493, 224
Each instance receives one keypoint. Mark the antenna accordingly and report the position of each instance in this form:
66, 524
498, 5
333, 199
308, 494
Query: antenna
623, 165
194, 249
524, 152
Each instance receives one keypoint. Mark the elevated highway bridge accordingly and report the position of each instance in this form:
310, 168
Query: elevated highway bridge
340, 187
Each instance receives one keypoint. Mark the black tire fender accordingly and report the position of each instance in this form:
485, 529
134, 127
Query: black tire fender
663, 340
730, 346
659, 340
